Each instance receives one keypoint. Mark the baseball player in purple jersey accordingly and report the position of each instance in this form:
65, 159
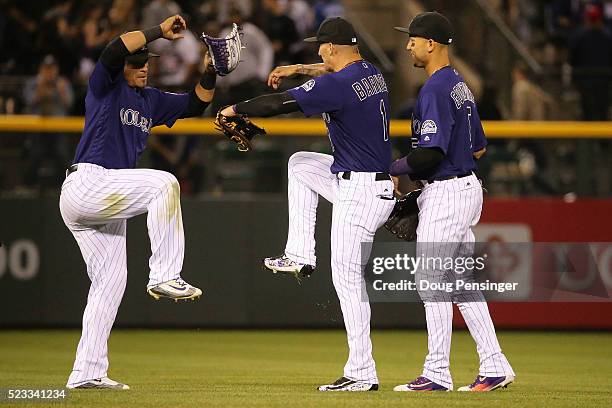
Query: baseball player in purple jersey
447, 138
103, 189
352, 97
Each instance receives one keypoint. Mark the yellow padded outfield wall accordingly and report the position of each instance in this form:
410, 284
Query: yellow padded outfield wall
315, 127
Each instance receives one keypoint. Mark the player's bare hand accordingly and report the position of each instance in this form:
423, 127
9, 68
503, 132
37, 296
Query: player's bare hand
396, 182
276, 76
228, 111
478, 154
208, 63
172, 27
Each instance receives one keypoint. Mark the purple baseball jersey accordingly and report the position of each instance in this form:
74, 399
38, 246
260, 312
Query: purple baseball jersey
118, 118
445, 116
354, 103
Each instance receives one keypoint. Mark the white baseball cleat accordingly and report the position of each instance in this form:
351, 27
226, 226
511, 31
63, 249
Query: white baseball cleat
282, 264
175, 289
346, 384
100, 383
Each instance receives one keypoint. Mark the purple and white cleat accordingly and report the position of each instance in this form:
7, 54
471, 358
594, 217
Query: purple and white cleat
420, 384
483, 384
175, 289
282, 264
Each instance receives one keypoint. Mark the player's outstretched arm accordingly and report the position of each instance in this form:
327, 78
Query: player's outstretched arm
170, 29
276, 76
115, 52
264, 106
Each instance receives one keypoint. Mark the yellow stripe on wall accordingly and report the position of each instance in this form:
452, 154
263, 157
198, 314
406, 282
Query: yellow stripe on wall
315, 127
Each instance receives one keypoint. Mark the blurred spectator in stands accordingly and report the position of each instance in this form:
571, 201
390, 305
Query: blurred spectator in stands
48, 93
607, 10
206, 12
249, 79
327, 8
179, 155
529, 101
524, 16
280, 29
122, 16
563, 16
95, 31
18, 53
95, 34
591, 60
47, 156
177, 68
226, 8
302, 15
60, 35
158, 10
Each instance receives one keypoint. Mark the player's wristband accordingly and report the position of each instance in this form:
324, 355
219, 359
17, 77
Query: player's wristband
153, 33
208, 81
399, 167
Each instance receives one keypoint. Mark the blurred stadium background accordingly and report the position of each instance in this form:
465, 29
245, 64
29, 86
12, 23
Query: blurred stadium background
540, 70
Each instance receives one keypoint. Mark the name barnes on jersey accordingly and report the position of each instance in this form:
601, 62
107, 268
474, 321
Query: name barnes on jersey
372, 85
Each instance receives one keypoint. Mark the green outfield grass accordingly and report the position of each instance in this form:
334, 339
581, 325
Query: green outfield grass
282, 368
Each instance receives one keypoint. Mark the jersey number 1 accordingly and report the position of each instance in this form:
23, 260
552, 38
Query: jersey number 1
469, 117
383, 113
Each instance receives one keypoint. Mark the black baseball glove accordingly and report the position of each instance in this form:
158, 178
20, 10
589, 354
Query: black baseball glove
239, 129
404, 218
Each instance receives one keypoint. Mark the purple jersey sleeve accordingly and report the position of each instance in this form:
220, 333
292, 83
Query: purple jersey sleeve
479, 140
103, 79
318, 95
437, 120
167, 107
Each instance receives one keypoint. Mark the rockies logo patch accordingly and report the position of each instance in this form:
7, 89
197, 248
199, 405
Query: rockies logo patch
429, 126
308, 85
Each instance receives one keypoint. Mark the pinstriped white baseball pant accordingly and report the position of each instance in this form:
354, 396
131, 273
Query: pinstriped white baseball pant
357, 214
95, 204
448, 210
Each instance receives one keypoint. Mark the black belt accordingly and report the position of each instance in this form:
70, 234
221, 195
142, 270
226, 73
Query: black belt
71, 169
450, 177
379, 176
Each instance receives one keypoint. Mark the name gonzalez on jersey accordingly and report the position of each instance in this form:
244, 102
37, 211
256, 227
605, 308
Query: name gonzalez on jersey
460, 94
132, 117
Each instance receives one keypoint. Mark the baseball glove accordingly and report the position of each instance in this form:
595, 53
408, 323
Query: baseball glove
239, 129
224, 52
404, 218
